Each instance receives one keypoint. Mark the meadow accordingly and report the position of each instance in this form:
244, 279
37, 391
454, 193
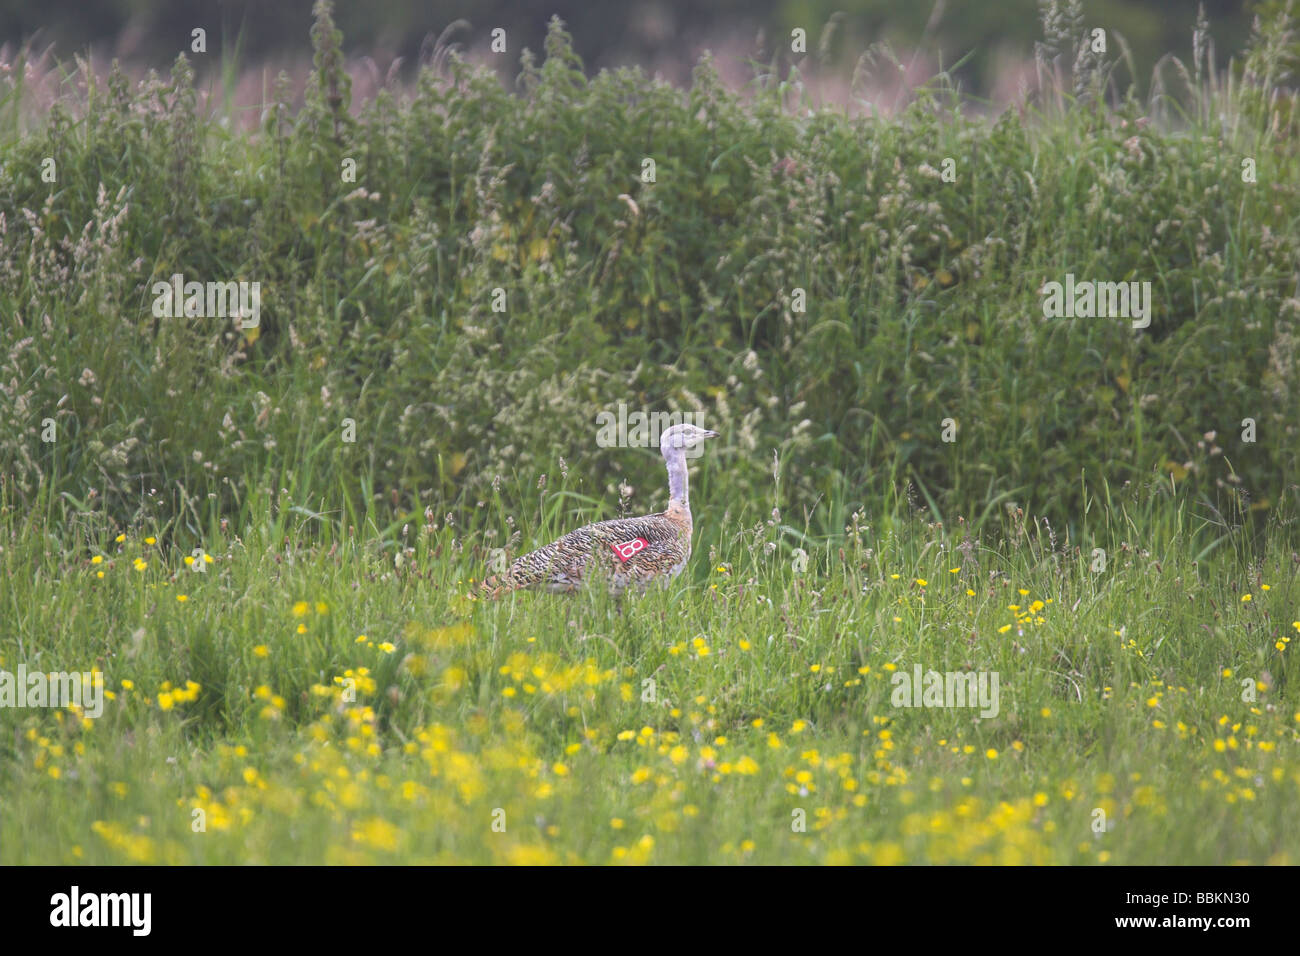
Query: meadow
269, 539
312, 701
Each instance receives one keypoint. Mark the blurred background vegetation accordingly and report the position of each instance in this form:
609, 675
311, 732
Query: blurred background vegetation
663, 35
921, 299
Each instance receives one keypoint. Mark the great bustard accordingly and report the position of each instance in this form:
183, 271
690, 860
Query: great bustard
625, 551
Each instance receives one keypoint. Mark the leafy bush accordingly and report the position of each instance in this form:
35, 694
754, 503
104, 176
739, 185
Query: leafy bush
922, 297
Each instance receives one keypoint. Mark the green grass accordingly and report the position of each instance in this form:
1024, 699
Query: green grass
1122, 693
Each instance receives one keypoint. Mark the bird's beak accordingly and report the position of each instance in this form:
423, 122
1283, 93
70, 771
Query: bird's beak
709, 434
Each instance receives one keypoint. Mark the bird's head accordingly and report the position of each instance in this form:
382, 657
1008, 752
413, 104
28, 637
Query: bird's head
685, 437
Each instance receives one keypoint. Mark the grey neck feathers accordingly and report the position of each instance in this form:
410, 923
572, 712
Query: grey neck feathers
678, 486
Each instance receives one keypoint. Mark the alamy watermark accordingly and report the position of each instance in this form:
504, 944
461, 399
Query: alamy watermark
947, 689
641, 430
130, 910
53, 689
214, 300
1098, 300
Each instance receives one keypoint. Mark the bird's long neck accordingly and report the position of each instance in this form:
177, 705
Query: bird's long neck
678, 484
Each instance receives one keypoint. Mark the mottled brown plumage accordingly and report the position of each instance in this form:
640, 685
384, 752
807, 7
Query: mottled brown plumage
624, 551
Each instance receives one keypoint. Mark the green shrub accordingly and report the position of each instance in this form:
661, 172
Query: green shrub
923, 297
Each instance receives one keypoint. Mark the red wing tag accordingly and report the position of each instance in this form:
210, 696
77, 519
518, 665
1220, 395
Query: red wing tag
629, 548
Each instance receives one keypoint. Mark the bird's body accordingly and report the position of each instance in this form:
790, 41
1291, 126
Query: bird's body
624, 552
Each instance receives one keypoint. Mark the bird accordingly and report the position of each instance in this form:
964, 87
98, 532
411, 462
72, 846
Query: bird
626, 552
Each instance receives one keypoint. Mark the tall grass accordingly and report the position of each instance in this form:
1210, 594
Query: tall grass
923, 297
